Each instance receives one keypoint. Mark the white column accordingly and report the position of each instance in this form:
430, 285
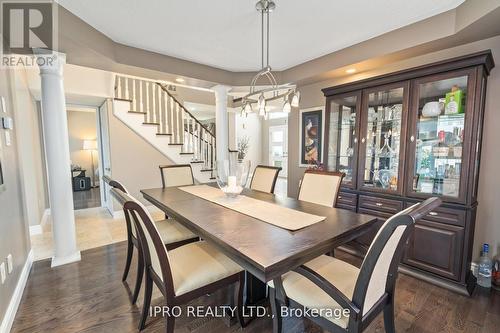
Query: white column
55, 128
221, 122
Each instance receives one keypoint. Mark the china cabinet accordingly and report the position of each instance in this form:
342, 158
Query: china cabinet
403, 137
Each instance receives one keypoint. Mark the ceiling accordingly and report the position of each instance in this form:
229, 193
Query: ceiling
226, 33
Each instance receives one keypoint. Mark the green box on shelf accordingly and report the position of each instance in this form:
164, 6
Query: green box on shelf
454, 96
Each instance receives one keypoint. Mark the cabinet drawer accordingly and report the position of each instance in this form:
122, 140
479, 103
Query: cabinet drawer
446, 216
346, 198
380, 204
436, 248
348, 207
368, 237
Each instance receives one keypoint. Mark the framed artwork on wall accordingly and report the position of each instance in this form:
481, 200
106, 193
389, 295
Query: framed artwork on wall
311, 136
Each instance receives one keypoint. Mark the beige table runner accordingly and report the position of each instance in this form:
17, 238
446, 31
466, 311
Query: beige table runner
277, 215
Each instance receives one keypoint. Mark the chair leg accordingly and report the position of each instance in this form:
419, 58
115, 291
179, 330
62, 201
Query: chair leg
170, 324
389, 318
275, 308
130, 252
148, 292
239, 290
138, 280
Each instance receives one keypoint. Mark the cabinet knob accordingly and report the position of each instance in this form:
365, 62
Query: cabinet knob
363, 140
355, 140
412, 138
379, 204
433, 214
339, 197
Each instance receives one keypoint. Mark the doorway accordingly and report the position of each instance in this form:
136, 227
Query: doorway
278, 155
84, 154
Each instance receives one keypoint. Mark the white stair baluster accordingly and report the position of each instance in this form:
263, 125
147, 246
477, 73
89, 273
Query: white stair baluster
148, 109
134, 98
126, 87
179, 138
153, 104
141, 97
118, 87
167, 123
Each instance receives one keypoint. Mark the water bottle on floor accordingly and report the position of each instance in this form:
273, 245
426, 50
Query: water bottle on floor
484, 272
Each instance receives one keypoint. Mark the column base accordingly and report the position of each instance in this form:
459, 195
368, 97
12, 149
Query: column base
59, 261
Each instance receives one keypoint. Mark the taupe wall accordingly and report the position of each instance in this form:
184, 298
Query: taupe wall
133, 160
82, 125
14, 235
487, 225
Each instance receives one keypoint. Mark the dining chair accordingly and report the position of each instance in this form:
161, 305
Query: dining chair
264, 178
176, 175
173, 233
184, 273
329, 283
320, 187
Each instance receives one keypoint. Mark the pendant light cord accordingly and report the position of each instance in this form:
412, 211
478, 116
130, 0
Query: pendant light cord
267, 16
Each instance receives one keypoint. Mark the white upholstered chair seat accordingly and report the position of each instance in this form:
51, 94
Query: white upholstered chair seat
172, 231
196, 265
339, 273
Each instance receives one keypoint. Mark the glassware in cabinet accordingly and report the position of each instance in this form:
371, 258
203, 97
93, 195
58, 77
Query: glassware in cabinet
343, 122
383, 131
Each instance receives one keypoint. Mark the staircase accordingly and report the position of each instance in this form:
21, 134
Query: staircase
151, 111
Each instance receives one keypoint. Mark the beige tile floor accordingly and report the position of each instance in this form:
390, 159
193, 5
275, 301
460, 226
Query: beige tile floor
95, 227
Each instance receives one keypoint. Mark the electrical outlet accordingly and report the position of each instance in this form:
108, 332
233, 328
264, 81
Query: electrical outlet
2, 272
10, 266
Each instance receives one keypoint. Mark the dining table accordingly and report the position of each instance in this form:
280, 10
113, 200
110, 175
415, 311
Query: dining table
265, 250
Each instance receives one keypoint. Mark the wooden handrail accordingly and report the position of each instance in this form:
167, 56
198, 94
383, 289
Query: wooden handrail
184, 109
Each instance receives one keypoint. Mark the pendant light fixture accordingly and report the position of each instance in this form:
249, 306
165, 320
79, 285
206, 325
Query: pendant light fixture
273, 91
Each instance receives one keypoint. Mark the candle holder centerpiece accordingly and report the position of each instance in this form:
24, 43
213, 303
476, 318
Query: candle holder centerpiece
232, 176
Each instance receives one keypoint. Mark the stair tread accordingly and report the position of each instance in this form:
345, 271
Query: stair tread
186, 153
122, 99
149, 123
197, 161
176, 144
206, 170
163, 133
139, 112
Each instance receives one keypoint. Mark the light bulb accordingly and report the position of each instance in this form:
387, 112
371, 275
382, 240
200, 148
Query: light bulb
262, 111
262, 101
248, 108
287, 107
296, 99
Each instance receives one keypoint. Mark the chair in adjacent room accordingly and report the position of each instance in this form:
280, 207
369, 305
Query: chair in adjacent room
176, 175
329, 283
184, 273
320, 187
264, 178
173, 233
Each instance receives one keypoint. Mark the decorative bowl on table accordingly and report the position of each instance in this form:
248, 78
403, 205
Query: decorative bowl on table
232, 176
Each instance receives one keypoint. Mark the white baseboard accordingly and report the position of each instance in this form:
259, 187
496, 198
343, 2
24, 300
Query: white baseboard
10, 314
59, 261
38, 229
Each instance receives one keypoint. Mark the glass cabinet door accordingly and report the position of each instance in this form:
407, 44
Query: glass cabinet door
342, 120
438, 153
383, 129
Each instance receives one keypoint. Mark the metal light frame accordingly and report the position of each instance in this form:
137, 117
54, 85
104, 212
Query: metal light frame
265, 7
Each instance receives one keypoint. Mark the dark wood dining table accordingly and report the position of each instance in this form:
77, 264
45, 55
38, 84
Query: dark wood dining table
263, 249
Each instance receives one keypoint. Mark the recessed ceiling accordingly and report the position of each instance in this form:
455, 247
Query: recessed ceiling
226, 33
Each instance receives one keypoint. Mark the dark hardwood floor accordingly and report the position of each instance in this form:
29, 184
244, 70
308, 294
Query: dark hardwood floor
87, 199
89, 297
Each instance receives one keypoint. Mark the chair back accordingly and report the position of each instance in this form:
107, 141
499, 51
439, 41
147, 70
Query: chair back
264, 178
320, 187
116, 184
378, 272
153, 248
176, 175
